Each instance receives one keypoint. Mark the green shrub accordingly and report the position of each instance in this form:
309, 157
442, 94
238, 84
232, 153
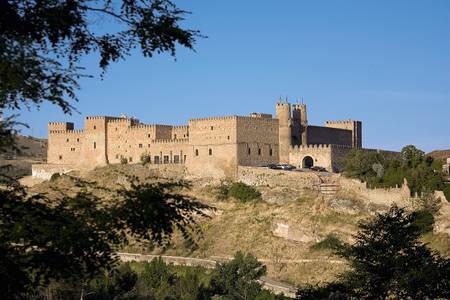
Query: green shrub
221, 191
446, 191
424, 221
55, 176
330, 242
145, 159
243, 192
123, 160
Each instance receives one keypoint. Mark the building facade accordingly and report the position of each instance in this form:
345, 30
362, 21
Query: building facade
210, 147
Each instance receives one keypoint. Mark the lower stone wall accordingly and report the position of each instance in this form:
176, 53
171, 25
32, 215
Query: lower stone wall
260, 176
399, 195
45, 171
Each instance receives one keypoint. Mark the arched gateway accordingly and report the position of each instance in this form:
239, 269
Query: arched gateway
307, 162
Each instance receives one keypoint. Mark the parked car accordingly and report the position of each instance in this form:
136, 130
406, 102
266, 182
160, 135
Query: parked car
318, 169
271, 166
286, 167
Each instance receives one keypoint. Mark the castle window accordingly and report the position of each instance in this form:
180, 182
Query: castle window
176, 159
212, 127
130, 159
210, 151
174, 136
259, 151
184, 158
228, 137
60, 157
72, 149
95, 127
117, 156
166, 159
249, 151
196, 152
140, 145
95, 145
270, 152
156, 160
148, 135
78, 140
149, 145
67, 140
116, 128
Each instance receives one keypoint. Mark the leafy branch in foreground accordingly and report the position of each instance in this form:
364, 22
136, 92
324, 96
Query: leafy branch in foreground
42, 43
75, 237
388, 261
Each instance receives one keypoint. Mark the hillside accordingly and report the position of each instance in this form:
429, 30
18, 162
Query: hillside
28, 150
439, 154
254, 227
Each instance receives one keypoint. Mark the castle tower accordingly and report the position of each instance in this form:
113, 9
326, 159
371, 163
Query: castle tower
296, 124
303, 124
283, 114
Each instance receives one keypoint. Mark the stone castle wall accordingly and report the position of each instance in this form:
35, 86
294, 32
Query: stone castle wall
213, 147
277, 178
327, 156
323, 135
354, 126
209, 147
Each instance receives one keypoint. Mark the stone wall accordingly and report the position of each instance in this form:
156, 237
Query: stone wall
277, 178
354, 126
399, 195
257, 140
212, 147
325, 135
45, 171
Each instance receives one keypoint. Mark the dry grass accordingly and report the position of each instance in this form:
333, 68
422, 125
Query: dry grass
248, 227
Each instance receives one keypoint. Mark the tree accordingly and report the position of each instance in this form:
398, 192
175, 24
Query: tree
388, 261
42, 42
412, 156
76, 237
41, 46
238, 278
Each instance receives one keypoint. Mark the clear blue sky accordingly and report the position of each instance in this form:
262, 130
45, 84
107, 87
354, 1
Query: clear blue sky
386, 63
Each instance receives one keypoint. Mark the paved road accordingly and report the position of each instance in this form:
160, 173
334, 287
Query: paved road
268, 283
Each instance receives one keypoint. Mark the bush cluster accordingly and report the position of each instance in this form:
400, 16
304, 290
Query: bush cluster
381, 170
145, 159
239, 191
236, 279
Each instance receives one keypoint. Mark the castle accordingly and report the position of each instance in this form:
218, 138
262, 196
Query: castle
209, 147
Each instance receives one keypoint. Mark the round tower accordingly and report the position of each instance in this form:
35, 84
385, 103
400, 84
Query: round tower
283, 114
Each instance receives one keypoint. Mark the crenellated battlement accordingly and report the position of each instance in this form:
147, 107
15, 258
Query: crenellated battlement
71, 132
213, 119
167, 141
349, 121
119, 120
318, 147
75, 131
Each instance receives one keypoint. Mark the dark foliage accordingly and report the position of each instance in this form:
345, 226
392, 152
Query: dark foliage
237, 190
447, 192
330, 242
388, 262
44, 239
381, 170
42, 42
237, 279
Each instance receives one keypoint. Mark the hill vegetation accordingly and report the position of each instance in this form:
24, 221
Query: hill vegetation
423, 173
